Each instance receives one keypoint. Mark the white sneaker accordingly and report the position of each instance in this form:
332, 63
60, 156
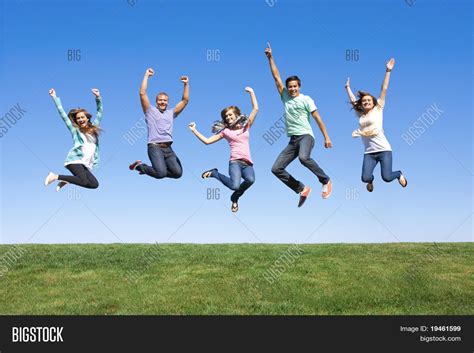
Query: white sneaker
327, 190
61, 184
49, 179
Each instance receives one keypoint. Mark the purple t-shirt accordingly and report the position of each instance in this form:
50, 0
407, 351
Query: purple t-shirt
160, 125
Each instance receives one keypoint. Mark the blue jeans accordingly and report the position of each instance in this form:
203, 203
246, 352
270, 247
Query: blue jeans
164, 163
299, 146
237, 169
385, 159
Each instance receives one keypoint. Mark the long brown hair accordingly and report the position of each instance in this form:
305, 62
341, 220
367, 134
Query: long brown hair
225, 110
90, 129
357, 105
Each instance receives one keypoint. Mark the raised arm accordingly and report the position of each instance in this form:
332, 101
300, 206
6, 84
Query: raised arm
185, 99
322, 127
143, 96
98, 102
386, 80
204, 139
59, 107
254, 112
352, 98
274, 69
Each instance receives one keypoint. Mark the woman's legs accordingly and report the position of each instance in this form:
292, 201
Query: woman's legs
368, 166
248, 174
81, 176
385, 159
235, 173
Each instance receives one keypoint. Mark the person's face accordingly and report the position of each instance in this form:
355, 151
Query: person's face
81, 119
162, 102
293, 88
230, 117
367, 103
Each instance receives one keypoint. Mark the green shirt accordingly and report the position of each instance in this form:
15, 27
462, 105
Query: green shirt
298, 113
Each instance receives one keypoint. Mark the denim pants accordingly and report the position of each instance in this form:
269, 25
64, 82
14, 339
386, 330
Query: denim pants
164, 163
385, 159
299, 146
237, 169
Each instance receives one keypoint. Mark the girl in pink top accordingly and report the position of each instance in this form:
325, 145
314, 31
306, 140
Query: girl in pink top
235, 128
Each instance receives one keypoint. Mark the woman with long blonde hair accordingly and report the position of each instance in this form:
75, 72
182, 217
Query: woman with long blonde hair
84, 155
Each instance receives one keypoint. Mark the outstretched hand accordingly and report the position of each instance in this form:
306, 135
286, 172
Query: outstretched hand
52, 92
348, 82
268, 50
390, 64
192, 126
96, 92
327, 143
249, 89
184, 79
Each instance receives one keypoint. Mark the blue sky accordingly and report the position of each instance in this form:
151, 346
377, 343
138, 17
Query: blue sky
220, 45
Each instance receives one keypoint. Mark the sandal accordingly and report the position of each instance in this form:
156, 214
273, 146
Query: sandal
235, 206
403, 181
208, 173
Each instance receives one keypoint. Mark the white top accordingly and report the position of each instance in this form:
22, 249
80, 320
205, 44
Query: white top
372, 122
88, 151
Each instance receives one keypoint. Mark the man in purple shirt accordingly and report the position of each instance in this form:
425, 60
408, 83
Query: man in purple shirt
159, 120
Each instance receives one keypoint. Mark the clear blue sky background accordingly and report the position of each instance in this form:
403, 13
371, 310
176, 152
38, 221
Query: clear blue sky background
432, 44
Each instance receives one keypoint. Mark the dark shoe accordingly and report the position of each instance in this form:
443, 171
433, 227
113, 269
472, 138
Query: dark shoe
134, 166
304, 195
370, 186
208, 173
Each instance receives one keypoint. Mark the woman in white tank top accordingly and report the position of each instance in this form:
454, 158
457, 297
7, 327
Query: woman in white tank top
369, 110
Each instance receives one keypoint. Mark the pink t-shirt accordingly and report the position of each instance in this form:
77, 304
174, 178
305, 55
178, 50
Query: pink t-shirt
239, 143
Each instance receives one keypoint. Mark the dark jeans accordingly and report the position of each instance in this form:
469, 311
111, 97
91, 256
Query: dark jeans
299, 146
237, 169
385, 159
81, 176
165, 163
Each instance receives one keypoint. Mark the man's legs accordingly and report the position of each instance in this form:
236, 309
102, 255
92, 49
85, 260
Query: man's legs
287, 156
306, 144
173, 164
158, 169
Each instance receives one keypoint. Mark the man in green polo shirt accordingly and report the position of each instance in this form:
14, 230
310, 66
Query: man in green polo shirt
298, 109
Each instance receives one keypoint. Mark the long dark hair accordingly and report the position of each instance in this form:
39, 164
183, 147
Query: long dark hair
219, 125
357, 105
90, 129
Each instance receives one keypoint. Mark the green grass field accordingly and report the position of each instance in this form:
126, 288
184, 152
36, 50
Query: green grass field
116, 279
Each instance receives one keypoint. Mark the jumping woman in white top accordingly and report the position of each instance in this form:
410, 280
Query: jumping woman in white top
377, 148
84, 155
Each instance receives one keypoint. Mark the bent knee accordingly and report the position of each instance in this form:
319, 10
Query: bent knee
277, 170
250, 180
